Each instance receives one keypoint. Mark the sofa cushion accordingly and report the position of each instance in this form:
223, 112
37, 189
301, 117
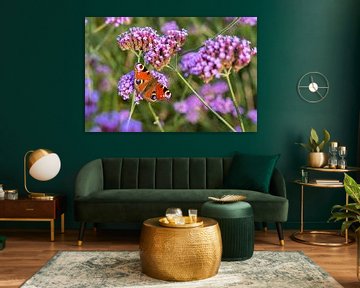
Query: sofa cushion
251, 172
266, 206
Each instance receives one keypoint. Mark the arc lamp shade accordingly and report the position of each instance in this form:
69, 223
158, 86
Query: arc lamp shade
43, 164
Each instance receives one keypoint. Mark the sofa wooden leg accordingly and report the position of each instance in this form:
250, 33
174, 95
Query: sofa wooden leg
265, 227
280, 233
81, 233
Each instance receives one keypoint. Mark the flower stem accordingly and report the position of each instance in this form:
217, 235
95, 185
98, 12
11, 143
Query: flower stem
234, 22
132, 108
227, 76
156, 118
202, 100
100, 28
104, 39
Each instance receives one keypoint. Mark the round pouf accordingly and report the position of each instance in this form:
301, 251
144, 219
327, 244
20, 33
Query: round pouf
180, 254
236, 221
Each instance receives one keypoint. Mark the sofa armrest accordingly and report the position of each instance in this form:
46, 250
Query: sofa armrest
89, 179
277, 184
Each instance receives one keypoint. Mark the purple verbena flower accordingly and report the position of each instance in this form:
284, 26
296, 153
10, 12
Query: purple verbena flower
252, 115
91, 98
167, 26
214, 95
95, 129
216, 88
238, 129
218, 54
137, 39
220, 104
191, 107
105, 85
252, 21
131, 126
117, 21
126, 84
188, 63
163, 80
116, 122
102, 69
127, 125
164, 47
108, 121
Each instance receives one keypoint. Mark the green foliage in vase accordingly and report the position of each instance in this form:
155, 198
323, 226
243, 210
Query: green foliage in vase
349, 214
314, 144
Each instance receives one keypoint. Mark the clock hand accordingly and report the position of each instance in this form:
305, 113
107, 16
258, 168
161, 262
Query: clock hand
312, 82
321, 96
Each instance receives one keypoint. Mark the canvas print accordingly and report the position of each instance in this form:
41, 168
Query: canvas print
171, 74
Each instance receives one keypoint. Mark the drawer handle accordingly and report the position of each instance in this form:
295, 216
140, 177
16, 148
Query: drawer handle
29, 209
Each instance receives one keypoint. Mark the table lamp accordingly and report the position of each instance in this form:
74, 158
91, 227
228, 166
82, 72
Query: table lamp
43, 165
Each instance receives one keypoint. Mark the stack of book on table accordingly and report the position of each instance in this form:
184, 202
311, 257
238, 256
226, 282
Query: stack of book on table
327, 181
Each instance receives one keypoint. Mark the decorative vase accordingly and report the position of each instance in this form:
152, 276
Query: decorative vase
317, 159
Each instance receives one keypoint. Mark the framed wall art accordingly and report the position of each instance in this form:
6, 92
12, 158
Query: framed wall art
170, 74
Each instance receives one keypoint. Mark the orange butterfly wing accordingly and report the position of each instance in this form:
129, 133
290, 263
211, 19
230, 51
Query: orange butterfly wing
147, 86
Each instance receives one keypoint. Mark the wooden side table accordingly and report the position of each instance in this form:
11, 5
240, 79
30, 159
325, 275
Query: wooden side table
27, 209
297, 235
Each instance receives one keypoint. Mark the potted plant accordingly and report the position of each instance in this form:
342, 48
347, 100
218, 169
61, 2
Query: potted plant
317, 157
350, 214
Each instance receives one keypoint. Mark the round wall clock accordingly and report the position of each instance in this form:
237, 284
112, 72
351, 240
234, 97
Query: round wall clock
313, 87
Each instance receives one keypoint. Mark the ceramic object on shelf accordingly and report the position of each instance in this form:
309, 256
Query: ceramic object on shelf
317, 159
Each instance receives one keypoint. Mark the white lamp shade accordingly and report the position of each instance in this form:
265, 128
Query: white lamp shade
46, 168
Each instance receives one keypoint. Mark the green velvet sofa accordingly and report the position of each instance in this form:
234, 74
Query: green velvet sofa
130, 190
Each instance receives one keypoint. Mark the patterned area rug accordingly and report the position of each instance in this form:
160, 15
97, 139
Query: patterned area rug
122, 269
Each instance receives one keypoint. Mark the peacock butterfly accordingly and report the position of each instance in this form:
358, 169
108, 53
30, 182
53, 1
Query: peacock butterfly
147, 86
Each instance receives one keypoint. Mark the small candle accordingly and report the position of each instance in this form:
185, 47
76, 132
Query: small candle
333, 144
342, 149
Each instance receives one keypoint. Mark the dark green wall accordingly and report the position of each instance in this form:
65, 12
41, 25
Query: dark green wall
42, 88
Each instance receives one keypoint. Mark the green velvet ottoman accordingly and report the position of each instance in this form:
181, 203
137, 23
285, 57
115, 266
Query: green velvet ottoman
236, 221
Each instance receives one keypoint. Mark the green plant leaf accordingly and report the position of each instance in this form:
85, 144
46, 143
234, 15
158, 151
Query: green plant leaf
306, 146
352, 188
321, 146
346, 225
314, 136
326, 136
350, 207
312, 144
336, 216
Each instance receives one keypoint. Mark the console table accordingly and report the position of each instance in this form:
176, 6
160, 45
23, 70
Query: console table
27, 209
296, 236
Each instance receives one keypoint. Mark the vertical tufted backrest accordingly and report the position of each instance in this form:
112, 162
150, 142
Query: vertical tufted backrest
164, 173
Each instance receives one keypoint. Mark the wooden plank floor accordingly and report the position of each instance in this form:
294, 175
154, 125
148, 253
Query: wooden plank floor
28, 250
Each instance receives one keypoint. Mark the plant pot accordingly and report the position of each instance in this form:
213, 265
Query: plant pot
317, 159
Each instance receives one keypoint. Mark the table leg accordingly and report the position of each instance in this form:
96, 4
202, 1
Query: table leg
63, 223
302, 209
52, 230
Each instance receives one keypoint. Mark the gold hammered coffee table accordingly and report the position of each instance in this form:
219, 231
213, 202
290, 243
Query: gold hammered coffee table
180, 254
